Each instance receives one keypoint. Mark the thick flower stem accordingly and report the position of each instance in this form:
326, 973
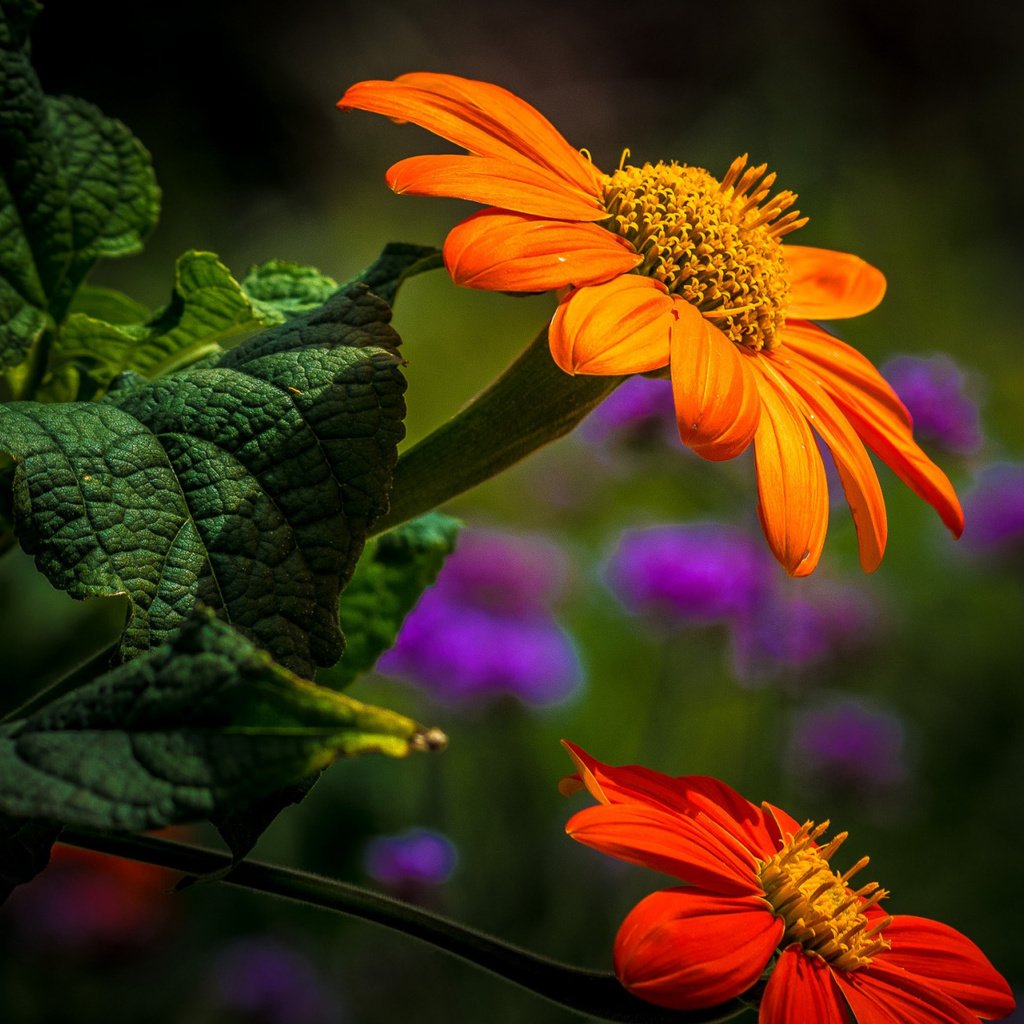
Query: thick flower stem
592, 993
531, 404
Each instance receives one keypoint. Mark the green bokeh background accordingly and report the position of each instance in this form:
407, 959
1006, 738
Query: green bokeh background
899, 129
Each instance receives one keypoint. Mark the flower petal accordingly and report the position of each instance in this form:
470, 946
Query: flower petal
689, 795
858, 476
888, 995
951, 962
619, 327
482, 118
511, 252
686, 948
875, 413
829, 285
717, 404
494, 182
802, 989
684, 847
791, 484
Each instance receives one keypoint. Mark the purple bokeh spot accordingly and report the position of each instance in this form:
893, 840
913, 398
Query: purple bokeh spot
850, 744
933, 389
640, 410
485, 630
273, 984
994, 515
696, 573
419, 857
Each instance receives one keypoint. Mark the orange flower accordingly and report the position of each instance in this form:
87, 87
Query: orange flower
762, 896
665, 266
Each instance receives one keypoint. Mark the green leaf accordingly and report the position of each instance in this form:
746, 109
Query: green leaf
247, 484
108, 304
398, 262
207, 309
395, 569
280, 290
75, 186
24, 850
195, 728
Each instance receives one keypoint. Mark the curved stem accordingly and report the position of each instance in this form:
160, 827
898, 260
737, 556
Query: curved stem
531, 404
593, 993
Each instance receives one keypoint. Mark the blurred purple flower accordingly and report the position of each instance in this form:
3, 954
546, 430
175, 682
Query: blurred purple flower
484, 628
797, 630
418, 857
262, 980
848, 745
639, 411
995, 509
696, 573
933, 388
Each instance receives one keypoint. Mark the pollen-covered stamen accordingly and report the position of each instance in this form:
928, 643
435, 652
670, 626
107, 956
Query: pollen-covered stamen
715, 244
817, 906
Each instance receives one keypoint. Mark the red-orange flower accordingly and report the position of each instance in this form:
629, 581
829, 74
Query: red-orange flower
762, 897
664, 266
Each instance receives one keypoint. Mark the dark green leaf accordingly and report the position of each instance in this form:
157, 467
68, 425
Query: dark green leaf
24, 850
74, 186
247, 484
195, 728
395, 569
398, 262
284, 290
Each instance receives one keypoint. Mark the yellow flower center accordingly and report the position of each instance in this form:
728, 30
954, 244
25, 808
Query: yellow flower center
818, 908
715, 244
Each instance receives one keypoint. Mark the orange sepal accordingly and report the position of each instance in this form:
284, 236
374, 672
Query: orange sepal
716, 399
829, 285
619, 327
511, 252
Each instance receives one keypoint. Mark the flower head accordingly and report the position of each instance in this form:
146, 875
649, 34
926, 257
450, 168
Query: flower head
762, 896
665, 266
996, 503
418, 857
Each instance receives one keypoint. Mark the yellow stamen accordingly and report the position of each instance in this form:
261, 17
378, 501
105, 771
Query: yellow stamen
814, 902
715, 244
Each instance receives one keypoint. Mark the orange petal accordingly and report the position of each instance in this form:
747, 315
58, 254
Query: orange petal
717, 405
484, 119
494, 182
687, 949
826, 285
880, 994
791, 483
676, 845
621, 326
876, 414
802, 988
858, 476
511, 252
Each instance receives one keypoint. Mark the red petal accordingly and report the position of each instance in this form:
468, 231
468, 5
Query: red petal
482, 118
860, 482
679, 846
619, 327
686, 948
888, 995
717, 405
494, 182
951, 962
511, 252
876, 414
802, 990
829, 285
689, 795
791, 482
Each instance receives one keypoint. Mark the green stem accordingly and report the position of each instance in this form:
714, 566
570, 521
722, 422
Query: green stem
592, 993
531, 404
